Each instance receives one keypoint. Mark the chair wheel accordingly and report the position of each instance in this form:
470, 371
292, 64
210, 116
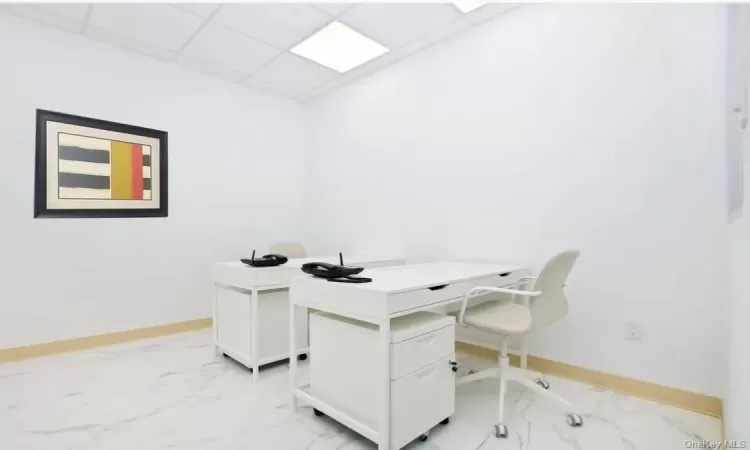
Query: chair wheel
302, 357
445, 421
423, 437
318, 413
543, 383
501, 431
574, 420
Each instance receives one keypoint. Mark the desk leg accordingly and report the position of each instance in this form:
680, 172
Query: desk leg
384, 430
215, 320
254, 333
292, 356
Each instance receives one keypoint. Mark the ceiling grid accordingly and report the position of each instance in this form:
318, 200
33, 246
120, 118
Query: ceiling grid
258, 44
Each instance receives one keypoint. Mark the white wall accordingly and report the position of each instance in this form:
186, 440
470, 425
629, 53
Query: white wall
63, 278
552, 127
737, 405
555, 126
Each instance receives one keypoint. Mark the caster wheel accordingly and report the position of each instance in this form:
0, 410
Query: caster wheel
318, 413
501, 431
543, 383
574, 420
445, 421
423, 437
302, 357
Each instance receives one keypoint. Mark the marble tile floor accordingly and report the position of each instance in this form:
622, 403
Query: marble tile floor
175, 393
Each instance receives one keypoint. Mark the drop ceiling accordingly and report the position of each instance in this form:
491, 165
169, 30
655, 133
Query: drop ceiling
250, 43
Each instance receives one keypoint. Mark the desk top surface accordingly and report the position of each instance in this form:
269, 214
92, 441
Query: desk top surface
296, 263
396, 279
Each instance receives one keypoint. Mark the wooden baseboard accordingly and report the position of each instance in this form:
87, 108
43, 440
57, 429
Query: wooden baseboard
71, 345
701, 403
692, 401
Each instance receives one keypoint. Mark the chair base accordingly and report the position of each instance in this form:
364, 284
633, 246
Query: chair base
526, 378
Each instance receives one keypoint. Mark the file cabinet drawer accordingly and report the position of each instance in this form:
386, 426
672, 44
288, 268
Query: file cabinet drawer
417, 352
421, 400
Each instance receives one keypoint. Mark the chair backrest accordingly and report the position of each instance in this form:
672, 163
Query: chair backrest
289, 249
552, 305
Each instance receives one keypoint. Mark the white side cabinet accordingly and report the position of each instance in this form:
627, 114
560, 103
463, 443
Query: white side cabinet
251, 308
344, 370
235, 320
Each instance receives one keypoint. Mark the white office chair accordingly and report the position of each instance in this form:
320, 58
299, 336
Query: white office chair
289, 249
544, 303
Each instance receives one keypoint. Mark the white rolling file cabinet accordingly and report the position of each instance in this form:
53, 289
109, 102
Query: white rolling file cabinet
251, 308
344, 371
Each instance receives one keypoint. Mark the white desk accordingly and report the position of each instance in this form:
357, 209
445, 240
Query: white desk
394, 292
250, 308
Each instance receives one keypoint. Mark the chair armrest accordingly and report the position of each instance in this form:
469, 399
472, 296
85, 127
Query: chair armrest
503, 290
523, 282
492, 289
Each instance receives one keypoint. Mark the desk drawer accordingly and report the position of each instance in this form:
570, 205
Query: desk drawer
403, 301
421, 400
415, 353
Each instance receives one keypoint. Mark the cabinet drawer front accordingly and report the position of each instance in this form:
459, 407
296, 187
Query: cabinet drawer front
403, 301
415, 353
420, 401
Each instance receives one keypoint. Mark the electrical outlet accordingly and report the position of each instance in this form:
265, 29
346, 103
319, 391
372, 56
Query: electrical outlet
634, 331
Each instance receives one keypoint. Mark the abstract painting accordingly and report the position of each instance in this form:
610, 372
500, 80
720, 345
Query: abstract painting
93, 168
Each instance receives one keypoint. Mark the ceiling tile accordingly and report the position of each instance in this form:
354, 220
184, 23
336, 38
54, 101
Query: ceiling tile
490, 11
203, 10
395, 25
46, 16
209, 68
159, 25
255, 84
75, 11
127, 43
278, 24
333, 9
289, 71
231, 49
435, 36
469, 5
374, 65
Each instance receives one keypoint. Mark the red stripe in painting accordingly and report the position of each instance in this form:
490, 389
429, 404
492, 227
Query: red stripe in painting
137, 168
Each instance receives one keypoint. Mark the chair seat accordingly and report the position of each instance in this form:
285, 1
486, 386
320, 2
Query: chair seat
505, 318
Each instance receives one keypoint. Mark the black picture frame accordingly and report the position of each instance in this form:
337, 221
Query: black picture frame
41, 209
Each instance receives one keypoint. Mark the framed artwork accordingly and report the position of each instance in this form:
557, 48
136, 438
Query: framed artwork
93, 168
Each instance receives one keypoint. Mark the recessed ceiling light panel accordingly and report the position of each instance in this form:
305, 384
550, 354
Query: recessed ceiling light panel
339, 47
470, 5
